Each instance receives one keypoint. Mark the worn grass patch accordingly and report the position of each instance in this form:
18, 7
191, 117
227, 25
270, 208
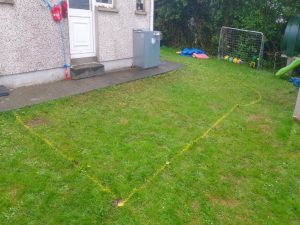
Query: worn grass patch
245, 172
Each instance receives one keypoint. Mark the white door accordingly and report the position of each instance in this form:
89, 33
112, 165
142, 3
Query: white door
81, 29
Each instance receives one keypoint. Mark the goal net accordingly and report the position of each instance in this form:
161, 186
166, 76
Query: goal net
245, 45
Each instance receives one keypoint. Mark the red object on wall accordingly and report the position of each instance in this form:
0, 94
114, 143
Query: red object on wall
67, 74
64, 7
56, 13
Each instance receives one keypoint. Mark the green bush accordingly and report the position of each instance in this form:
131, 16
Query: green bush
197, 23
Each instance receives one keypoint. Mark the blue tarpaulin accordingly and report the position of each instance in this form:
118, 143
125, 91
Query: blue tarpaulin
295, 81
190, 51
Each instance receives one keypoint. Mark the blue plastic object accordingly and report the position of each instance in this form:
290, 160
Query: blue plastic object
190, 51
295, 81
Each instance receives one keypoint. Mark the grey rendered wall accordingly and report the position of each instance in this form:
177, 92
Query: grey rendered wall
114, 30
29, 39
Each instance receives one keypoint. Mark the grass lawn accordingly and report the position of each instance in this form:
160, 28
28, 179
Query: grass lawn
127, 139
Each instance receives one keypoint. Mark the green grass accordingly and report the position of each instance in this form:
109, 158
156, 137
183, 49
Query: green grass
246, 171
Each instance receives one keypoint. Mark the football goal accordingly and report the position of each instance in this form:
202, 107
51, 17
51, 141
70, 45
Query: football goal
245, 45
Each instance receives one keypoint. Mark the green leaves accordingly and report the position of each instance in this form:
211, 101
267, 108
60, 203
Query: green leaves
197, 23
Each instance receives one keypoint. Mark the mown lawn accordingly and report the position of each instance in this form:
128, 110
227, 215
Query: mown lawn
246, 171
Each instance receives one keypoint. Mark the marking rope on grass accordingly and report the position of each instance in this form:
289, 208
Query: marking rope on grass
64, 156
160, 169
190, 145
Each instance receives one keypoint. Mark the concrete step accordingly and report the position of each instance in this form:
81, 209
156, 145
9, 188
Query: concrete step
85, 70
84, 60
3, 91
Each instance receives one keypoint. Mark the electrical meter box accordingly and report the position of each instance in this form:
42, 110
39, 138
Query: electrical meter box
146, 48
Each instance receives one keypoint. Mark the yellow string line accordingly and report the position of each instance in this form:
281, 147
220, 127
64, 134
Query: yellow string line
158, 171
257, 100
64, 156
189, 146
181, 152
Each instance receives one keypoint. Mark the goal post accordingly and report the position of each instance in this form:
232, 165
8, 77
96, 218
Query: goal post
245, 45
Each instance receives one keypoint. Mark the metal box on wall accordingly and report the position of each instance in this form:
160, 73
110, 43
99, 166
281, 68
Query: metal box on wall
146, 48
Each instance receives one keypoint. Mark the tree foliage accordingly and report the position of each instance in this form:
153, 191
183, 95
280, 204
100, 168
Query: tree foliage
197, 23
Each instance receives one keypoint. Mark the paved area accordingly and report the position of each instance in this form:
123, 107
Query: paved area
27, 96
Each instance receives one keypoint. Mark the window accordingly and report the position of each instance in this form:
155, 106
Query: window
105, 3
79, 4
140, 5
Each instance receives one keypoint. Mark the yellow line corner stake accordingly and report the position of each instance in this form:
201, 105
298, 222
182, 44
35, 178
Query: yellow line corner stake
121, 204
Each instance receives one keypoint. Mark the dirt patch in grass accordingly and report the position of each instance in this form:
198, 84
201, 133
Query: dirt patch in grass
232, 180
196, 220
13, 193
195, 206
121, 105
123, 121
265, 128
214, 107
37, 121
229, 203
253, 118
244, 219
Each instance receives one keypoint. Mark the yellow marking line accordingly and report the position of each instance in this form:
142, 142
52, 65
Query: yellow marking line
181, 152
64, 156
257, 100
189, 146
160, 169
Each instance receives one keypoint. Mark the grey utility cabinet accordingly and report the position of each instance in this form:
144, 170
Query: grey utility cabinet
146, 48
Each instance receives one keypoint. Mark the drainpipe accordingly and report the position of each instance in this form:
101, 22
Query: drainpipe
152, 16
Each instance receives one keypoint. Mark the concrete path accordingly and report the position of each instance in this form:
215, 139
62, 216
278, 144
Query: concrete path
27, 96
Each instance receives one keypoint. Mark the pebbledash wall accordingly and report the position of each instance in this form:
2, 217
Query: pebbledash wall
30, 51
30, 44
115, 28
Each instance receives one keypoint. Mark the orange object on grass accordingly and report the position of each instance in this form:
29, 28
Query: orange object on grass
200, 56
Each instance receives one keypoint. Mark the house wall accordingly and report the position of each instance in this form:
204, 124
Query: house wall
114, 29
29, 42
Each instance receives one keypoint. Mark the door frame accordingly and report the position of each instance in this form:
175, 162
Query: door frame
84, 55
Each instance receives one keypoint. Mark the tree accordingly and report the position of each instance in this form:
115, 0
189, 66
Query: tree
197, 23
